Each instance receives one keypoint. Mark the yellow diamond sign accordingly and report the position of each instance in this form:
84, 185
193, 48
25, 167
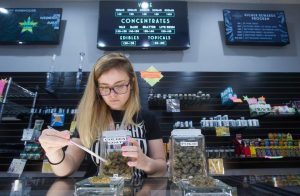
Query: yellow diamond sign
151, 75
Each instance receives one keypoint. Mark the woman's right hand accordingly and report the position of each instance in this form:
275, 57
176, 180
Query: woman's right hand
52, 141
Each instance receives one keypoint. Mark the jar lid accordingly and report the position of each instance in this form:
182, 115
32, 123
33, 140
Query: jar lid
186, 132
121, 133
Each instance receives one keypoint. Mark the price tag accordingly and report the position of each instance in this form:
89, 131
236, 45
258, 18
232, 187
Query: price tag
222, 131
188, 143
17, 166
27, 134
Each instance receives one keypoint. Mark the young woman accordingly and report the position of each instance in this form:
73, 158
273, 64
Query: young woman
110, 100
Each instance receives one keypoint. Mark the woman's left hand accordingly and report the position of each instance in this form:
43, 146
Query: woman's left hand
137, 158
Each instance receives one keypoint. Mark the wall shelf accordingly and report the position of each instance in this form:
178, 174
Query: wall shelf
10, 110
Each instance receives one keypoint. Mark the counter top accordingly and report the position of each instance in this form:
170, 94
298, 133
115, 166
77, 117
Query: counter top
149, 186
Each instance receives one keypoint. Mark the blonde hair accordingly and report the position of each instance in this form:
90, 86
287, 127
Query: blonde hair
94, 116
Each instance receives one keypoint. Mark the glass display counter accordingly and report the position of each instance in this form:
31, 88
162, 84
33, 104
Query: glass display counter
245, 185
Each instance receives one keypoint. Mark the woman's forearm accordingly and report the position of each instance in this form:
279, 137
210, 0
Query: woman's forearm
73, 158
155, 167
66, 167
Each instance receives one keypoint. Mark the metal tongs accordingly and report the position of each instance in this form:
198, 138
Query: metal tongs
84, 148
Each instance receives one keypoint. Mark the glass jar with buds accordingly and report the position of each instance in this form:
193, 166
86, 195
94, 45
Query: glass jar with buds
187, 156
111, 144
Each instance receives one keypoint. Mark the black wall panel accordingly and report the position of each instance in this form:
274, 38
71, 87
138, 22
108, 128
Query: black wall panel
278, 88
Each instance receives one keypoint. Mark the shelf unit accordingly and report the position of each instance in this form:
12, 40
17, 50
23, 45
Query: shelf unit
10, 109
279, 88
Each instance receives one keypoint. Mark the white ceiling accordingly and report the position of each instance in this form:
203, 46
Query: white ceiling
252, 1
212, 1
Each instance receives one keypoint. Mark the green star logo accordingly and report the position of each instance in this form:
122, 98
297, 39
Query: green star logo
245, 98
28, 25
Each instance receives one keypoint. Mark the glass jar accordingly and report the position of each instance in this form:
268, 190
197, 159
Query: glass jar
111, 144
97, 185
206, 186
187, 156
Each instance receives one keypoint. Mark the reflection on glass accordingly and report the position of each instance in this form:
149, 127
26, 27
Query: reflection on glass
61, 187
155, 187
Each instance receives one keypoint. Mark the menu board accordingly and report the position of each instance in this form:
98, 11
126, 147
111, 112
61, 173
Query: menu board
30, 25
255, 27
161, 25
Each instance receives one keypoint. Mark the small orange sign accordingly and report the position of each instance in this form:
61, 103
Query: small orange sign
147, 74
151, 75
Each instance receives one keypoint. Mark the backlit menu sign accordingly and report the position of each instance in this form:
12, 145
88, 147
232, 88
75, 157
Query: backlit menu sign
143, 25
255, 27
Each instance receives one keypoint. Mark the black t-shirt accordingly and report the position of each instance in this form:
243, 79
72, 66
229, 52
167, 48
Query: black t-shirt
147, 128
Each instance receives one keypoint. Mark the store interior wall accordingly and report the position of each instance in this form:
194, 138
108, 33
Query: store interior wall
208, 51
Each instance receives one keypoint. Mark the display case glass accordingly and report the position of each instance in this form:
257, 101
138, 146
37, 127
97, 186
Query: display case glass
99, 186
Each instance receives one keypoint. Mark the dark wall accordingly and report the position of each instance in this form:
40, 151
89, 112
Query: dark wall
278, 88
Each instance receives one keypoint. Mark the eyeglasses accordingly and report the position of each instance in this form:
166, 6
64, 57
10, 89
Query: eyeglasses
119, 89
